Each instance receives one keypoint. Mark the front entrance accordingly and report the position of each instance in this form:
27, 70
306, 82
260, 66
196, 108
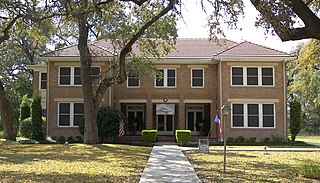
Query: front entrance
194, 118
165, 124
165, 114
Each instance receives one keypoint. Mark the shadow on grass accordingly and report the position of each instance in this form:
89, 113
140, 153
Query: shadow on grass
11, 176
21, 153
244, 168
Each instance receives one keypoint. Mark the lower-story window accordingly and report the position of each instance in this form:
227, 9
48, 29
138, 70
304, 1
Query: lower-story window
70, 114
252, 115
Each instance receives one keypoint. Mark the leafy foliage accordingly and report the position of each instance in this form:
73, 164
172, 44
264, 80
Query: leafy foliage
183, 136
26, 128
295, 118
24, 107
36, 118
149, 136
108, 122
304, 83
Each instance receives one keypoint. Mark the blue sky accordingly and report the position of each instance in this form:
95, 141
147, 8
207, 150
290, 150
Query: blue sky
194, 26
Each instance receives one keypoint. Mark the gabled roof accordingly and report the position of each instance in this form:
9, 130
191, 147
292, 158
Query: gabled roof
248, 49
185, 48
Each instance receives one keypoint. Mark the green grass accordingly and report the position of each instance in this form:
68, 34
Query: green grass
315, 139
252, 166
310, 170
1, 134
71, 163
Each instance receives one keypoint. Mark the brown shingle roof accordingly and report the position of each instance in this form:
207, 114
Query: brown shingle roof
250, 49
185, 48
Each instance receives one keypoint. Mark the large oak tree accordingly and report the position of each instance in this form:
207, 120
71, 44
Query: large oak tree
127, 21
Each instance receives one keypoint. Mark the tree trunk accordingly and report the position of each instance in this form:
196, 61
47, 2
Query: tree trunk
90, 103
6, 113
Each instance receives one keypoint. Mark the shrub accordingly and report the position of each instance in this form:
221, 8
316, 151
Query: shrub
310, 170
26, 128
36, 118
149, 136
61, 139
24, 108
230, 139
266, 140
183, 136
107, 121
252, 139
70, 139
240, 139
295, 118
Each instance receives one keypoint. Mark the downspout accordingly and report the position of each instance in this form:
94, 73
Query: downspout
110, 97
47, 98
285, 99
220, 83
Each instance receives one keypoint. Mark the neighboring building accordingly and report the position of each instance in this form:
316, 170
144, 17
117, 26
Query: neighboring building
199, 77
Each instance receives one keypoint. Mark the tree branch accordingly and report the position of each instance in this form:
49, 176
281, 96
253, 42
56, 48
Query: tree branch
285, 33
6, 35
127, 48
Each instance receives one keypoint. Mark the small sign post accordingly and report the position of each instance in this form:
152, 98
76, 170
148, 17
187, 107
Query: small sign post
203, 145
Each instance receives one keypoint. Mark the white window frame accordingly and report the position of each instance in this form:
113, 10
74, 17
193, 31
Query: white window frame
71, 114
138, 77
202, 78
245, 115
165, 78
41, 80
72, 75
259, 76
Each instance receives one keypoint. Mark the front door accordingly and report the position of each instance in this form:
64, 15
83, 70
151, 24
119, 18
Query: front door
195, 119
165, 124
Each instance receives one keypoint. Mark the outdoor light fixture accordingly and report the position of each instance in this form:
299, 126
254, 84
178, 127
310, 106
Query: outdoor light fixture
165, 99
225, 111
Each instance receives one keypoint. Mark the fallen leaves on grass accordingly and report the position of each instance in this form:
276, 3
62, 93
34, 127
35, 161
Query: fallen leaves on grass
251, 166
73, 163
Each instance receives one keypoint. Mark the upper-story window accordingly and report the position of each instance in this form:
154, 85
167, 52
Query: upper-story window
133, 81
72, 75
167, 78
257, 115
197, 78
70, 114
252, 76
43, 80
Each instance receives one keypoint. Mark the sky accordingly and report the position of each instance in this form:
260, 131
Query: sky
194, 26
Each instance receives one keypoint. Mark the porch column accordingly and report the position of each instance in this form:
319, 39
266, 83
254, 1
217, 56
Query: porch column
149, 115
182, 116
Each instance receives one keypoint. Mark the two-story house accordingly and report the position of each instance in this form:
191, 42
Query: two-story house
198, 78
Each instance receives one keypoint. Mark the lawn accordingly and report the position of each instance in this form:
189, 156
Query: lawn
315, 139
252, 166
71, 163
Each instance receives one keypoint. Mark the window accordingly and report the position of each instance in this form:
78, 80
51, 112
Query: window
197, 78
252, 76
135, 115
72, 75
70, 114
253, 115
133, 81
166, 78
237, 76
267, 76
43, 80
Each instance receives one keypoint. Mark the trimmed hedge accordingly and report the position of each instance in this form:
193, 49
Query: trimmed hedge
183, 136
149, 135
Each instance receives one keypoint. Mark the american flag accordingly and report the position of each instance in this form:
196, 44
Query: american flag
218, 121
121, 128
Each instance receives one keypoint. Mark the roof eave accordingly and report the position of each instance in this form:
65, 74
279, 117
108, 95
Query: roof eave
254, 58
73, 58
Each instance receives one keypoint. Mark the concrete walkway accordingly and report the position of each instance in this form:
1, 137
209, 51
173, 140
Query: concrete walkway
168, 164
